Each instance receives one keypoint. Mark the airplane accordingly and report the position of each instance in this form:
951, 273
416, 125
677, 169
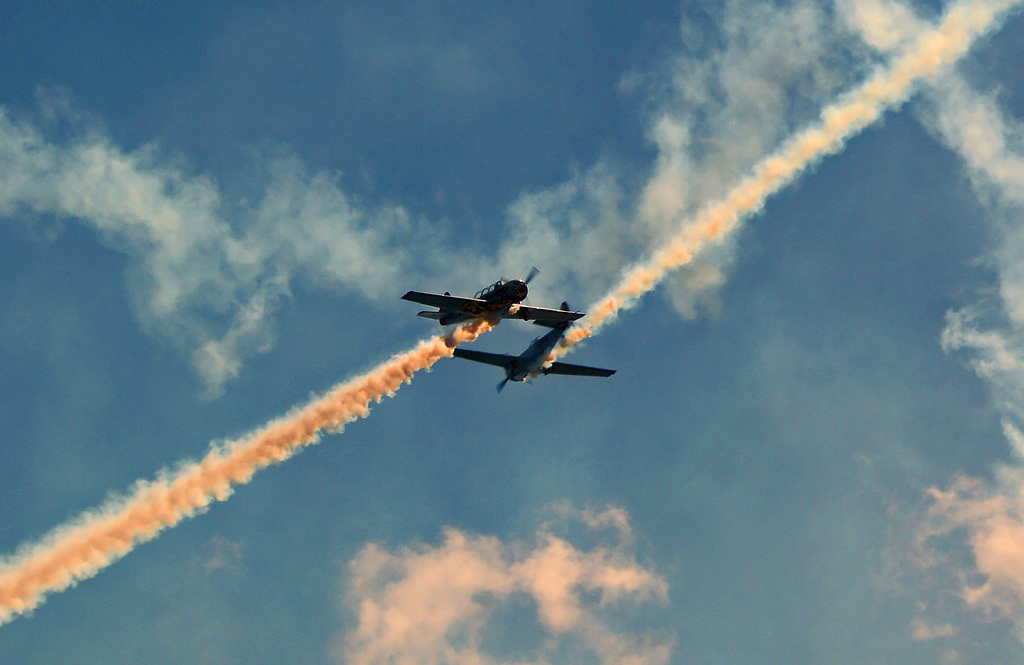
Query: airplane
497, 299
531, 361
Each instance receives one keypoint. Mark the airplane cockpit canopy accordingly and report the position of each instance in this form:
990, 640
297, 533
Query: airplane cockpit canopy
483, 293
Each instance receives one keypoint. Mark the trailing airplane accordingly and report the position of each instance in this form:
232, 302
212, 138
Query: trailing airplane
531, 361
502, 299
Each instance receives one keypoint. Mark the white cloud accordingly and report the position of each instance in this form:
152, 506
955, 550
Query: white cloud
453, 602
580, 232
205, 276
884, 26
718, 109
921, 630
991, 331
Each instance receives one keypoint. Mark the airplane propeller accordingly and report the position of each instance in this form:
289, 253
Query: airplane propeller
502, 385
533, 273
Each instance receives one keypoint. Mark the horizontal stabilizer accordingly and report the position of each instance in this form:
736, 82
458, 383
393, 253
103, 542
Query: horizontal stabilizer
496, 359
545, 316
431, 314
551, 324
577, 370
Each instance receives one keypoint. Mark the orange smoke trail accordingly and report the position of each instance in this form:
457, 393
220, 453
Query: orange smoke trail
889, 87
79, 551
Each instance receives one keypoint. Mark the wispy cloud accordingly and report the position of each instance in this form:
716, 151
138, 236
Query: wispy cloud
478, 600
883, 26
989, 334
737, 90
206, 275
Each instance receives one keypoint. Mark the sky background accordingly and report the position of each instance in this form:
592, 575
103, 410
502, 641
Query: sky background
209, 213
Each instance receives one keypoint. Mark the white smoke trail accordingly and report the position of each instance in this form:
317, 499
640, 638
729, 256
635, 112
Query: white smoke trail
78, 551
889, 87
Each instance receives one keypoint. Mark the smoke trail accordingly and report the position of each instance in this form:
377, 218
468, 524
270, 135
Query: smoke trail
79, 551
888, 87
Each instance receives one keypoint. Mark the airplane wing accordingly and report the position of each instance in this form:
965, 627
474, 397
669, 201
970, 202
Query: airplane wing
545, 315
449, 303
497, 359
575, 370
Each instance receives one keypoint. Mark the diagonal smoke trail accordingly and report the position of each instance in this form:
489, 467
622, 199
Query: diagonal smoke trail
78, 551
888, 87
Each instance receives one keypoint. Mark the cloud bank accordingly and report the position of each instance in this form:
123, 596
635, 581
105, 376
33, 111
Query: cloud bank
477, 600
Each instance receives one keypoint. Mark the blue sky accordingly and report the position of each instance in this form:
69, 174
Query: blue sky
810, 451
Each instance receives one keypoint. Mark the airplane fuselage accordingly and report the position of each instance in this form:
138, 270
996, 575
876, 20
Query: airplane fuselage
497, 297
530, 361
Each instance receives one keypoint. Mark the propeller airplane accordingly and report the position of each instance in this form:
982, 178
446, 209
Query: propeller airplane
502, 299
530, 362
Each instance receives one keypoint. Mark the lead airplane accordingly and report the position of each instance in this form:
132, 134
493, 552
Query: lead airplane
502, 299
531, 361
